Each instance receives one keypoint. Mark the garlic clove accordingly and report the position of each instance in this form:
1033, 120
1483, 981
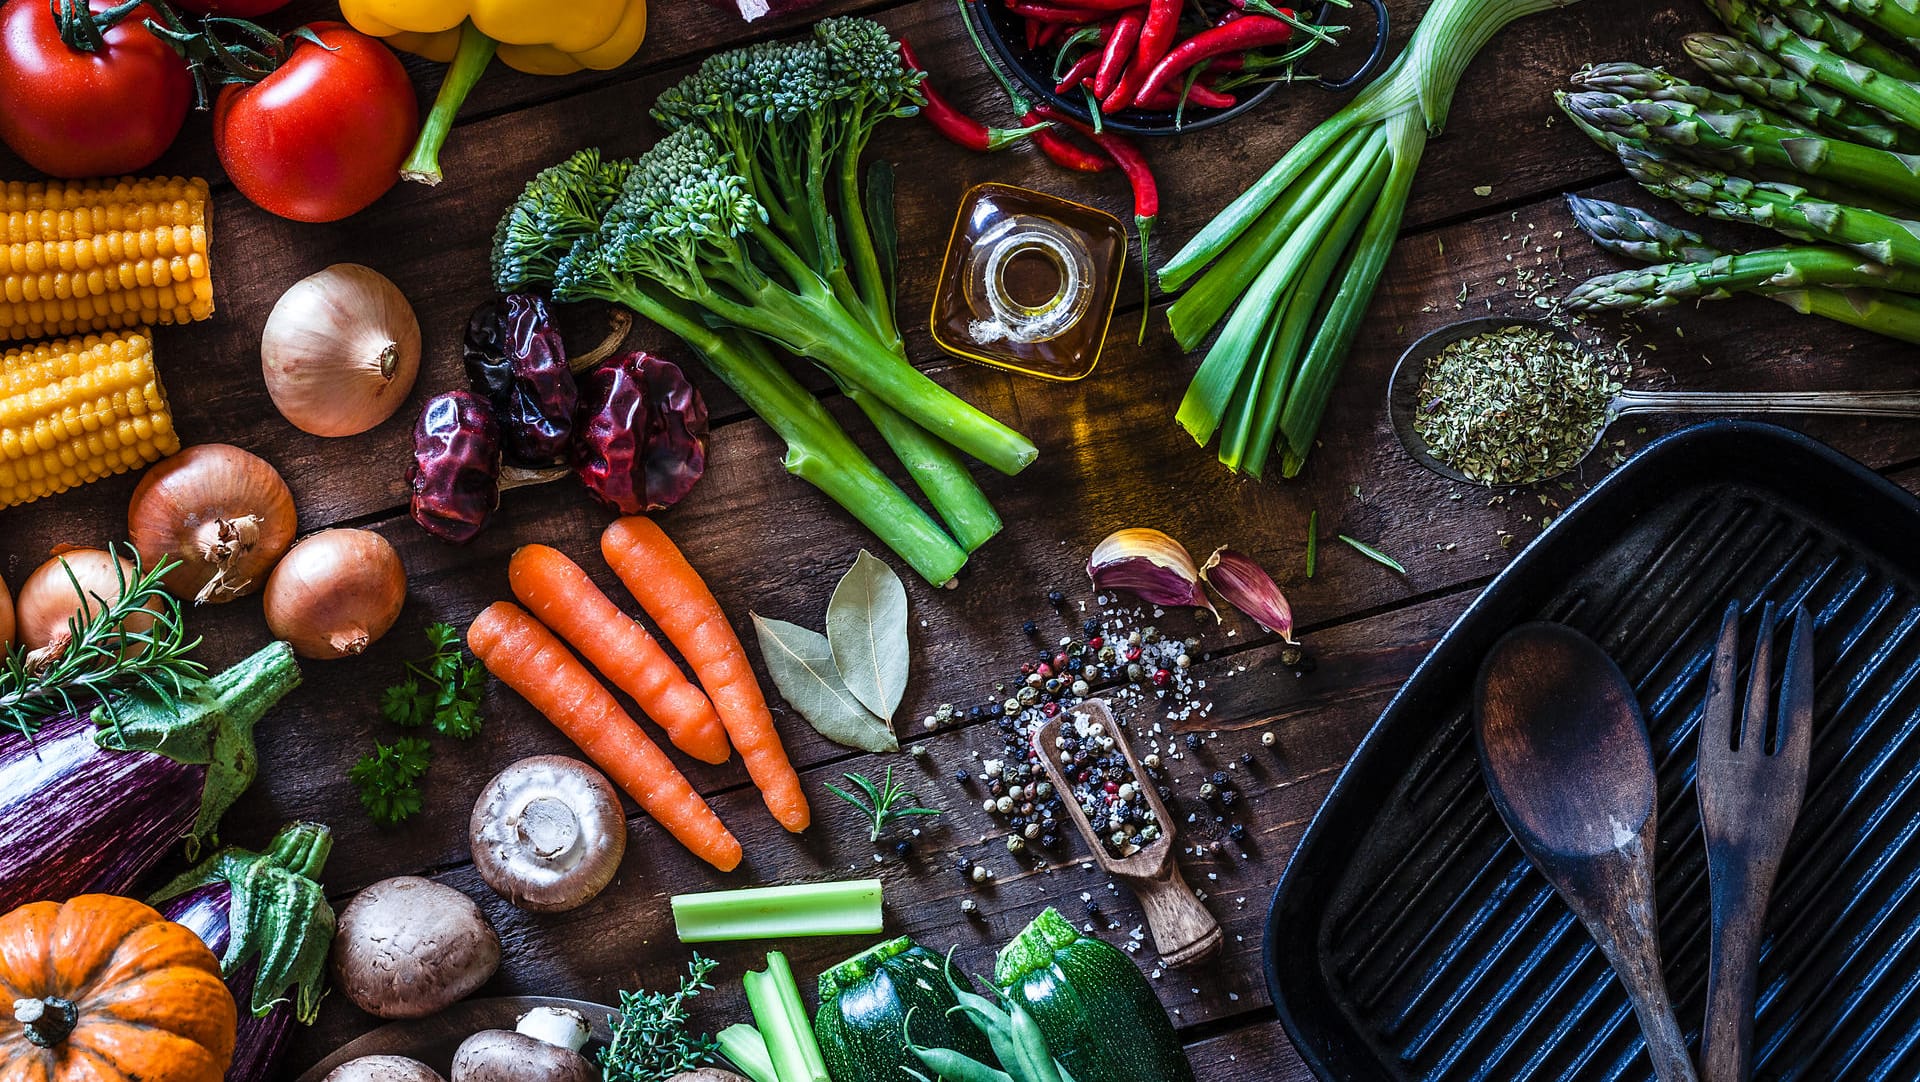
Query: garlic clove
1150, 565
1247, 587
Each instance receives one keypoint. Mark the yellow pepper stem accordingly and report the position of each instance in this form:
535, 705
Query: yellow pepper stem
471, 58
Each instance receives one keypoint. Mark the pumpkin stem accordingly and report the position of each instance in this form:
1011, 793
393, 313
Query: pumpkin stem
48, 1021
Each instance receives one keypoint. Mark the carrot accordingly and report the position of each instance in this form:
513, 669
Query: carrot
561, 596
527, 658
673, 593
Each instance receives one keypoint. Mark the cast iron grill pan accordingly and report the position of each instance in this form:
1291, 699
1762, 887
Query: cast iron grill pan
1410, 938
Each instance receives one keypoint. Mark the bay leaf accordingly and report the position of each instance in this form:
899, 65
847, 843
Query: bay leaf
867, 629
802, 666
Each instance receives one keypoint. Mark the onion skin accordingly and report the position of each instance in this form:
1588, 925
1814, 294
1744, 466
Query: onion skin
6, 617
335, 593
47, 600
340, 351
225, 514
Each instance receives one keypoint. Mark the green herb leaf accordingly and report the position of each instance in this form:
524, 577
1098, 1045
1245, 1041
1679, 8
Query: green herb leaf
882, 803
651, 1042
1313, 540
403, 704
801, 663
1374, 554
388, 778
450, 697
867, 630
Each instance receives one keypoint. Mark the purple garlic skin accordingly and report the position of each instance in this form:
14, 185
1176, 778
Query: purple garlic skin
640, 442
1247, 587
455, 473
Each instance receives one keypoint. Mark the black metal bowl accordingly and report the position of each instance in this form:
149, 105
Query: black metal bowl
1005, 36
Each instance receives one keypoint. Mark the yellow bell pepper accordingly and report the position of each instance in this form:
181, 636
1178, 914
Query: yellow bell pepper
542, 37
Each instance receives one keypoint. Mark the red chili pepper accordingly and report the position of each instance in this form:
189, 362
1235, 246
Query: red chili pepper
1063, 152
1111, 7
1156, 37
1246, 32
1080, 72
1050, 33
949, 121
1119, 49
1146, 193
1052, 14
1168, 100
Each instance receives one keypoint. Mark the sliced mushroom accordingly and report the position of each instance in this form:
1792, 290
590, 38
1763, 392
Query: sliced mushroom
543, 1047
548, 833
408, 947
383, 1069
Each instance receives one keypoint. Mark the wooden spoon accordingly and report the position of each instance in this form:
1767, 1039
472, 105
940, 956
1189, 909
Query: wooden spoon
1183, 930
1565, 752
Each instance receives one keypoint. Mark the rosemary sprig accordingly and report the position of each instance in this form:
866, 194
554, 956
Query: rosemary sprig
882, 803
100, 660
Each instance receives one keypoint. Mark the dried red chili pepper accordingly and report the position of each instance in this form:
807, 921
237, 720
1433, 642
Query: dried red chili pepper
949, 121
517, 360
1118, 50
455, 473
642, 439
1237, 36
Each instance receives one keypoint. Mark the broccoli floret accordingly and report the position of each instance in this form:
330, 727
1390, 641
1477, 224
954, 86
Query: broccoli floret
560, 205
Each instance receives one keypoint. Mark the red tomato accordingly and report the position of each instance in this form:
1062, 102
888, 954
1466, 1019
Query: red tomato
232, 9
77, 114
325, 133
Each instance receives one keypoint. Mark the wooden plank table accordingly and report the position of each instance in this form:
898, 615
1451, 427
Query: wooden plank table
1485, 230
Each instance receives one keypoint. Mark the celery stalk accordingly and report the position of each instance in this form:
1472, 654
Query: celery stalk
747, 1050
783, 1022
803, 909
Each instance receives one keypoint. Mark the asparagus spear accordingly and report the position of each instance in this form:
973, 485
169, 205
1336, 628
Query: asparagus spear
1762, 271
1897, 18
1642, 83
1817, 62
1783, 208
1631, 232
1750, 72
1820, 22
1740, 140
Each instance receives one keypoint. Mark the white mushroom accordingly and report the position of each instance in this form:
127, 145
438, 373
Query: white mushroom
548, 833
383, 1069
543, 1047
408, 947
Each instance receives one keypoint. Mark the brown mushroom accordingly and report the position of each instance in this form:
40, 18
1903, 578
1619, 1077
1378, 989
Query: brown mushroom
383, 1069
543, 1047
548, 833
408, 947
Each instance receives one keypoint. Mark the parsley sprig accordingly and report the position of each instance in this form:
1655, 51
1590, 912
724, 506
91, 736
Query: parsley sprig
389, 777
442, 692
442, 689
651, 1042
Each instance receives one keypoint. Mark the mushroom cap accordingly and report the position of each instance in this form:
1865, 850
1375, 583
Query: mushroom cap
408, 947
501, 1055
548, 833
383, 1069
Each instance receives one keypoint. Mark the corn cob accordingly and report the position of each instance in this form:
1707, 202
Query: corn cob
79, 256
79, 409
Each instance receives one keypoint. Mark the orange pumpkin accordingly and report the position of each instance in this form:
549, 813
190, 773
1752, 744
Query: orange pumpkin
104, 989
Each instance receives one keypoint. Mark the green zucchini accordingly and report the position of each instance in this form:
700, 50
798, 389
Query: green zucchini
1099, 1015
861, 1025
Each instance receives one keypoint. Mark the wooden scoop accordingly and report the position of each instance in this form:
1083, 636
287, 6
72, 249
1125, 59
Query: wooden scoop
1183, 930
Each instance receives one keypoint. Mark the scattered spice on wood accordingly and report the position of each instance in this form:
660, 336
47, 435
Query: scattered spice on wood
1513, 405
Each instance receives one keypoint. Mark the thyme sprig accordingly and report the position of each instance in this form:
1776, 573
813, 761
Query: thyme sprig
651, 1041
882, 803
100, 660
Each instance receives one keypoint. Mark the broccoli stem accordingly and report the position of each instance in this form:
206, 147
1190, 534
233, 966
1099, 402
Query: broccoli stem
470, 59
935, 467
869, 279
818, 450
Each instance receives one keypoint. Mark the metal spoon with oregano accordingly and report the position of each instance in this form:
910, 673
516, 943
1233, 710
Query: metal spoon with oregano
103, 660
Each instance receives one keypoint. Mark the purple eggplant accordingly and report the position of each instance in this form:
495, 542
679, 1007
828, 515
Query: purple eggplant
89, 804
268, 919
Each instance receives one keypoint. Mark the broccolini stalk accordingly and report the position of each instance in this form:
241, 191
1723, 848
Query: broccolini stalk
564, 206
796, 117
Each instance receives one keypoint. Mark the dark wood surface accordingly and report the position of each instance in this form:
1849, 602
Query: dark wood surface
1110, 457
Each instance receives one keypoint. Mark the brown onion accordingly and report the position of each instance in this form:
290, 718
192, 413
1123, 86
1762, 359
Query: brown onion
335, 593
48, 601
224, 514
340, 350
6, 617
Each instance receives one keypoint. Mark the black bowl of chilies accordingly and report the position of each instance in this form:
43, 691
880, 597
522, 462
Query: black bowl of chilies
1159, 67
628, 425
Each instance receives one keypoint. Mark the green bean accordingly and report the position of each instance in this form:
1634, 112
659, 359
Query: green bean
1032, 1061
955, 1067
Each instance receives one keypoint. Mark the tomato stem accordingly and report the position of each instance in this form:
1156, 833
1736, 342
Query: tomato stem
85, 30
469, 61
